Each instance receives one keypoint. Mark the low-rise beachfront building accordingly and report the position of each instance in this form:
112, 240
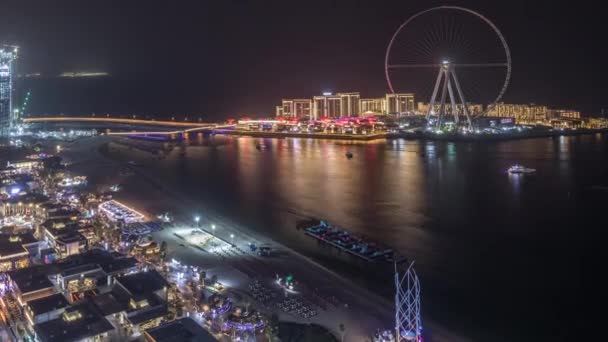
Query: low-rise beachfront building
79, 281
45, 309
145, 294
181, 330
20, 167
118, 212
30, 283
64, 238
81, 322
69, 243
29, 205
17, 251
94, 269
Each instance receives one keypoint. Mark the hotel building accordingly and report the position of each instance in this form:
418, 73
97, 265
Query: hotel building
341, 105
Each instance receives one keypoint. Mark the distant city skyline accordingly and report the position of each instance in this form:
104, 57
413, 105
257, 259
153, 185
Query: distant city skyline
238, 57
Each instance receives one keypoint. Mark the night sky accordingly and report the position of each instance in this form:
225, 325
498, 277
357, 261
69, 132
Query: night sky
226, 58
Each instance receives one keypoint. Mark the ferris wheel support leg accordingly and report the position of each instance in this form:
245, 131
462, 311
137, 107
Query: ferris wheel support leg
464, 103
443, 94
434, 96
453, 102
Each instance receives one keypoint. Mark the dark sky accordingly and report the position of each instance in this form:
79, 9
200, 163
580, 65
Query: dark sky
241, 57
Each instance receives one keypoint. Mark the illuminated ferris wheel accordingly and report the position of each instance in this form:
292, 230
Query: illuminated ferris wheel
452, 56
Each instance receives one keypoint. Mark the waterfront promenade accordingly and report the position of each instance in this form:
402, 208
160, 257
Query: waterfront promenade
421, 135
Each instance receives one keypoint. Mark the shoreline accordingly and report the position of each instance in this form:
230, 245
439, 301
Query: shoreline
421, 136
351, 291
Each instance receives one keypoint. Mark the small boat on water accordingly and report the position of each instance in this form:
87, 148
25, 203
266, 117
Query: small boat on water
516, 169
349, 155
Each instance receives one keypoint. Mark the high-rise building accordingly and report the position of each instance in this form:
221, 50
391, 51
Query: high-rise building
349, 104
522, 113
8, 56
473, 109
567, 113
399, 103
326, 105
297, 108
341, 105
377, 105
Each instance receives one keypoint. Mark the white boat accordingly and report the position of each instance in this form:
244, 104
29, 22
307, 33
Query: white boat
520, 169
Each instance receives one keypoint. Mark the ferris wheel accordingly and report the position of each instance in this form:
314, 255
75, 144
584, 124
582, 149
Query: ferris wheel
449, 53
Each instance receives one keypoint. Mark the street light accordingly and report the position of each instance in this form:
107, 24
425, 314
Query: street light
197, 220
232, 239
213, 229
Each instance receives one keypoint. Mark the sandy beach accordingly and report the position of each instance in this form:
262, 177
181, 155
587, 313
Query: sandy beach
360, 309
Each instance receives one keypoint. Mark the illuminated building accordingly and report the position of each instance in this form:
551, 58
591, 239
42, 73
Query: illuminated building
145, 296
377, 105
336, 106
16, 250
30, 204
565, 113
326, 106
522, 113
183, 329
45, 309
82, 322
116, 211
30, 283
349, 104
473, 108
341, 105
597, 123
63, 237
75, 281
8, 56
565, 118
399, 103
297, 108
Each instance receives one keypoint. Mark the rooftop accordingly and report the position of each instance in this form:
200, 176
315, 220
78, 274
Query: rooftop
143, 283
146, 315
109, 304
109, 261
181, 330
51, 206
13, 244
63, 212
28, 198
77, 323
70, 236
30, 279
47, 304
80, 269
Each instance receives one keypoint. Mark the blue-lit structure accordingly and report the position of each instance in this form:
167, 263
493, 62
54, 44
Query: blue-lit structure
8, 56
408, 324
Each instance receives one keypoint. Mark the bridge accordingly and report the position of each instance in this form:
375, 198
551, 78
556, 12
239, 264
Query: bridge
177, 127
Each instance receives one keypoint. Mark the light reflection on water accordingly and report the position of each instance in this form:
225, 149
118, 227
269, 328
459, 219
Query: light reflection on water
450, 206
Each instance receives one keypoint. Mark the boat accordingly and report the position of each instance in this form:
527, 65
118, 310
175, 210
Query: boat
349, 154
520, 169
345, 241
